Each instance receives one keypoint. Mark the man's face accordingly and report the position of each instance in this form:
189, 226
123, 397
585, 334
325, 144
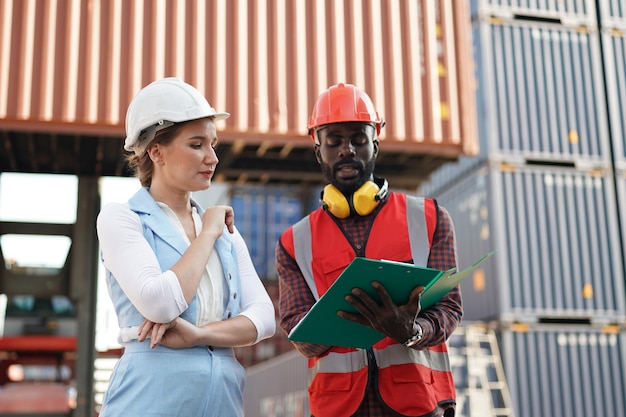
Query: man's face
347, 154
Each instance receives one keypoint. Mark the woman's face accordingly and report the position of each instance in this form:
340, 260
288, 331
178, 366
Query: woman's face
187, 162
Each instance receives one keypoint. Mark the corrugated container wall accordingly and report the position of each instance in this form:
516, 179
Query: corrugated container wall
612, 13
538, 94
74, 65
614, 47
540, 97
565, 370
558, 248
581, 12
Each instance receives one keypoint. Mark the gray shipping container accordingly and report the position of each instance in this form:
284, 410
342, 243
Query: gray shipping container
540, 98
558, 248
612, 13
574, 371
540, 93
614, 47
580, 12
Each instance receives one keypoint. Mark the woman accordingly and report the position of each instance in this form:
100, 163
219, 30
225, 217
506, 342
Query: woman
177, 275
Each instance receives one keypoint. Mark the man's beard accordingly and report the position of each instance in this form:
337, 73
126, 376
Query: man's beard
365, 174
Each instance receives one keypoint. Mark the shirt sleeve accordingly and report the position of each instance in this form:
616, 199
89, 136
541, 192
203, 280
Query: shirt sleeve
256, 303
156, 294
439, 321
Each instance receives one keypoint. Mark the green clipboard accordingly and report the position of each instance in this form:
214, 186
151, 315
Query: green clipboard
321, 325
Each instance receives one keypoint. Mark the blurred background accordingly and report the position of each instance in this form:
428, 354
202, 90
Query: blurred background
510, 112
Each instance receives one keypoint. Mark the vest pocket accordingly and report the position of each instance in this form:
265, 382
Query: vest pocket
326, 383
413, 374
332, 266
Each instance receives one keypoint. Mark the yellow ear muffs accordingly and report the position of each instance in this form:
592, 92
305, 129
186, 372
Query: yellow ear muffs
364, 200
335, 202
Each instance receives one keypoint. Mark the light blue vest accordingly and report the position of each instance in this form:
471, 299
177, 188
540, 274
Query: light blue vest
169, 245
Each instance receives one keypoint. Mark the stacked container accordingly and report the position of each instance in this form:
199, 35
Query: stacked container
262, 213
565, 370
546, 192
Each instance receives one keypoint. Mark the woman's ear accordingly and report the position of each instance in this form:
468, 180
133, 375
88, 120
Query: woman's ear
155, 154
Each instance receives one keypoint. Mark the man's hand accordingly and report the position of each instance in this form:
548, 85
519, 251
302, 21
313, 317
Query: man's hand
388, 318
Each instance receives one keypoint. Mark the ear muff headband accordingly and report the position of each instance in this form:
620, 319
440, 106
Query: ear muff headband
364, 200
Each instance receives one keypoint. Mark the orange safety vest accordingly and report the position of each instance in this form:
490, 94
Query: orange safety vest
410, 381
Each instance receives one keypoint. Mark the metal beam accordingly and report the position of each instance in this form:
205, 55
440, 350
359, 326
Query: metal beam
83, 291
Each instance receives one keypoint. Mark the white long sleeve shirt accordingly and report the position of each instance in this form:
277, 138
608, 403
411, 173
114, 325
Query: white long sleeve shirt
157, 294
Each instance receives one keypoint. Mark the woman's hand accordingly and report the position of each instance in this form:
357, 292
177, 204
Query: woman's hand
214, 218
178, 333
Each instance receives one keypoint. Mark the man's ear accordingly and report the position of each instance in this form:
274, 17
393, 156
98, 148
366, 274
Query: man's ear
317, 153
376, 144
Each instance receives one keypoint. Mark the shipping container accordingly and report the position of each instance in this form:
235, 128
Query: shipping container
574, 371
540, 93
73, 65
447, 175
262, 213
579, 12
614, 55
612, 13
541, 98
249, 206
558, 247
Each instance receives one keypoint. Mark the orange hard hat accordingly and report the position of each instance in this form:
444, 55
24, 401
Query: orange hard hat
343, 103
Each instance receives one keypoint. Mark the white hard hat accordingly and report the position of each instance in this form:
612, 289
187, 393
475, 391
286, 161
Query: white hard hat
160, 104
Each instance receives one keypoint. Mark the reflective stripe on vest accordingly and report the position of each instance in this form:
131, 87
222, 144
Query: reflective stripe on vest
393, 355
304, 253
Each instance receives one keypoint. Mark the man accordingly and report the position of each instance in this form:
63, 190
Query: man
408, 372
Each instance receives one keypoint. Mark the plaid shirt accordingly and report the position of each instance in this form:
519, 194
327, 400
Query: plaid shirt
438, 322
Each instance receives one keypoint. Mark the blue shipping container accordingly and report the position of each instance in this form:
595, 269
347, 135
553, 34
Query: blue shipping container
558, 248
262, 213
